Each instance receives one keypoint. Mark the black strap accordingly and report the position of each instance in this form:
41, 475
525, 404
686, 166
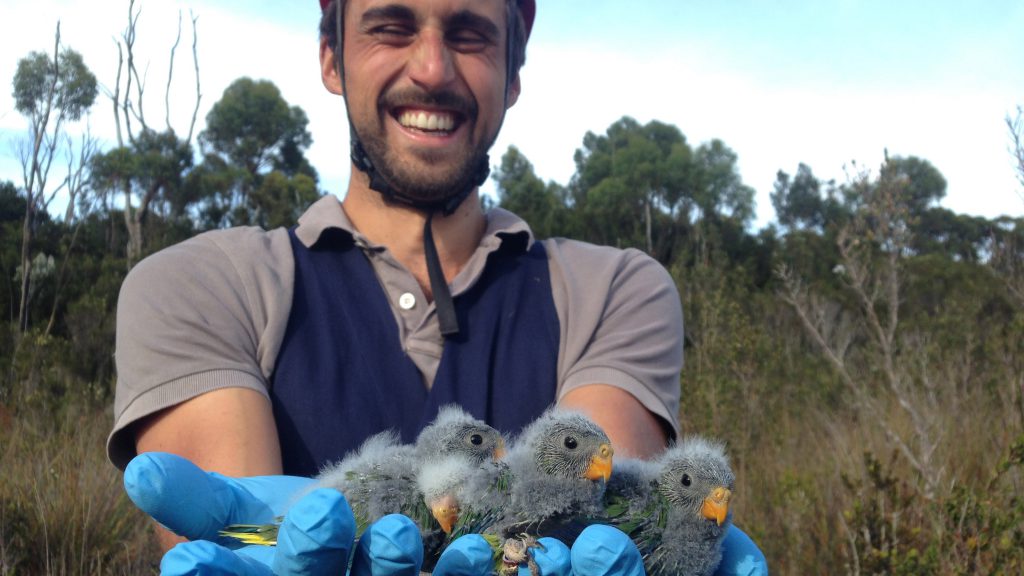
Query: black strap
438, 285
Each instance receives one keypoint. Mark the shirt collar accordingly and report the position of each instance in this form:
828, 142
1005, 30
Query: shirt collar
327, 213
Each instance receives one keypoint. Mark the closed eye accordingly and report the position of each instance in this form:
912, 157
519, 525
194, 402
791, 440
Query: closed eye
392, 33
468, 31
468, 40
389, 23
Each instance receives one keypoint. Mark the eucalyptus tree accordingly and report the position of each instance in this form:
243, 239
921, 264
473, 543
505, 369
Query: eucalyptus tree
543, 205
251, 134
51, 91
632, 184
136, 168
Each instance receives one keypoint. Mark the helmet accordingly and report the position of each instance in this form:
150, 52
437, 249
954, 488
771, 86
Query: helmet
527, 7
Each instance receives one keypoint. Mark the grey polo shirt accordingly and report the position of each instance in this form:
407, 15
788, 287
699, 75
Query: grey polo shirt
211, 312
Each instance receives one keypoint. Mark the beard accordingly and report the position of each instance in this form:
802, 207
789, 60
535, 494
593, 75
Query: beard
407, 177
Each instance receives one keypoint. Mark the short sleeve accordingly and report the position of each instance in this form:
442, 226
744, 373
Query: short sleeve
621, 324
205, 314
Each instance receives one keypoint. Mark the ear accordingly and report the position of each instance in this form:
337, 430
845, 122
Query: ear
513, 91
329, 68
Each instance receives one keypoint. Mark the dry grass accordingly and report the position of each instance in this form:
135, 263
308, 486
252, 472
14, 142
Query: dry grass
63, 509
814, 500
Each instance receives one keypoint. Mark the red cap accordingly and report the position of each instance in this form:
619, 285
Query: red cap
528, 8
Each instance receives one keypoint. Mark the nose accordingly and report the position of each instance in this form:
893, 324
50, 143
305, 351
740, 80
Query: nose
431, 64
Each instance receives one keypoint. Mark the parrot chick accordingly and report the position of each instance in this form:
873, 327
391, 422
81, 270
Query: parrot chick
380, 478
554, 471
676, 509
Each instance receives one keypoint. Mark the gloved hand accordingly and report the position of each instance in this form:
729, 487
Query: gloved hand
316, 536
740, 556
599, 550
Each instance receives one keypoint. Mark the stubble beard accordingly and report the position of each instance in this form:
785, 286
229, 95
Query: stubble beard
408, 176
419, 184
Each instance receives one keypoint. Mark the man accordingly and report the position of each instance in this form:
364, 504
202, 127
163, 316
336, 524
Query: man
267, 353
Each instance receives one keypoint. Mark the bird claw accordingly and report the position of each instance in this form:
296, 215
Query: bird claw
517, 552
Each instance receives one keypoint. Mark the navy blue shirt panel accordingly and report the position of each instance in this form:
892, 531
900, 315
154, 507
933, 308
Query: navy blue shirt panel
342, 375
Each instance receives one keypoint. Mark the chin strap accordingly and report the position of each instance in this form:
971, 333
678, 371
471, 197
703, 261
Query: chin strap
438, 286
442, 295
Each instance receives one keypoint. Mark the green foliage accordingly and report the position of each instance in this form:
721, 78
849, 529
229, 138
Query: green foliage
883, 526
974, 530
753, 377
255, 171
251, 125
280, 199
520, 191
43, 86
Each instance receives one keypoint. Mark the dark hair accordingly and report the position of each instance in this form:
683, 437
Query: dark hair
516, 42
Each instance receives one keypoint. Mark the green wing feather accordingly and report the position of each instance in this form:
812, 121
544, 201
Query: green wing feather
477, 521
258, 534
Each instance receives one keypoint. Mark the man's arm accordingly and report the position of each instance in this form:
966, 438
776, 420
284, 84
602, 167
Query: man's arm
229, 430
633, 430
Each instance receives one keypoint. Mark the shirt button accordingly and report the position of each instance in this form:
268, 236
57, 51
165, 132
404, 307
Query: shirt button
406, 301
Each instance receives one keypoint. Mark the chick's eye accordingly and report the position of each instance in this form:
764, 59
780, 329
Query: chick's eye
476, 439
686, 480
571, 443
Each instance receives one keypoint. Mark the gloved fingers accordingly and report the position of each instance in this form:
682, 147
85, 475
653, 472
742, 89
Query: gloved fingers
196, 504
203, 558
468, 555
552, 558
391, 546
740, 556
316, 535
604, 550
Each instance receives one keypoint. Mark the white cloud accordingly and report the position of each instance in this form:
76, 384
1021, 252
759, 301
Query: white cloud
567, 90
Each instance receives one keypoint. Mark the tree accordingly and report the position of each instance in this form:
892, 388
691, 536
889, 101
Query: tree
151, 169
632, 183
522, 192
252, 132
720, 192
51, 91
873, 248
1015, 125
144, 177
797, 201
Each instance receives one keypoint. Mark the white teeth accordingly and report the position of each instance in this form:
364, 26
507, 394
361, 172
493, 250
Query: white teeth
424, 121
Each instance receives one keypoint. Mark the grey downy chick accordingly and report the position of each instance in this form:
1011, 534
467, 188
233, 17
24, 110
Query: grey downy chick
380, 477
676, 509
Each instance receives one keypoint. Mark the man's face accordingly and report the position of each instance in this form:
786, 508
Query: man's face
425, 87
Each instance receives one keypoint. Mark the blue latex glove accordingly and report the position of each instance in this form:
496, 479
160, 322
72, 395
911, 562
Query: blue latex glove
740, 556
316, 536
599, 550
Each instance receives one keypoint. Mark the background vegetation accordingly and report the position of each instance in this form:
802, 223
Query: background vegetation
863, 356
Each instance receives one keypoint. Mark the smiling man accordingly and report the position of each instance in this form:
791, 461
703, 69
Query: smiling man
252, 352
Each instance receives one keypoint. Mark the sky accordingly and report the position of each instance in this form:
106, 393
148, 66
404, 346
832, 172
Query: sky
826, 83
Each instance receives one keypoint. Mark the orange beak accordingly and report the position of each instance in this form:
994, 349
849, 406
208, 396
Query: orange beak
601, 464
499, 450
716, 505
446, 511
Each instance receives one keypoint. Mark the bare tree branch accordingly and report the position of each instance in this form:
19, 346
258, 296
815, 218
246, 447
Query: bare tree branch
199, 92
1016, 126
871, 251
170, 76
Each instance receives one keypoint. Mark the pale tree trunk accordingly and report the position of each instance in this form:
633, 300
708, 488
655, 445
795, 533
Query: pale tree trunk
35, 184
127, 110
648, 225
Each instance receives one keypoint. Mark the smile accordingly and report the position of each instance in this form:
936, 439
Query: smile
427, 120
